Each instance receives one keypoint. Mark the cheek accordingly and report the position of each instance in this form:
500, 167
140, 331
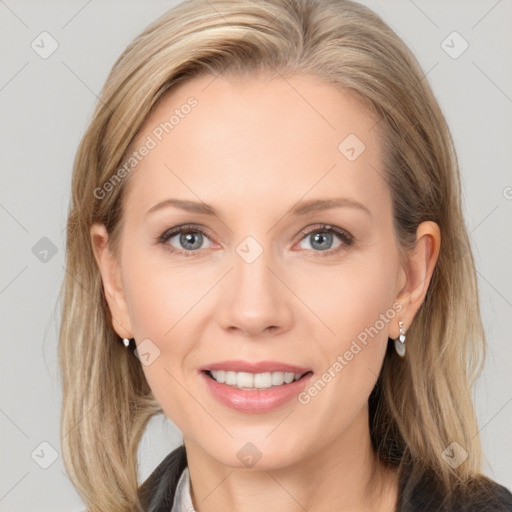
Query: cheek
165, 310
353, 303
160, 309
356, 304
160, 292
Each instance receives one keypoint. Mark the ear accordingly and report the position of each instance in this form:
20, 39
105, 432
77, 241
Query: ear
418, 272
111, 276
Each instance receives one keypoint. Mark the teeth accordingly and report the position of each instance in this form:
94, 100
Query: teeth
245, 380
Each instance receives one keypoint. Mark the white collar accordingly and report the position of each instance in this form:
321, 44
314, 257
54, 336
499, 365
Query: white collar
182, 497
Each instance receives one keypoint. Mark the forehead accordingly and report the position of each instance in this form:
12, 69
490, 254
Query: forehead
258, 142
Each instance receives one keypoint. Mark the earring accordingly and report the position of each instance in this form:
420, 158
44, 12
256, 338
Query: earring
126, 342
400, 341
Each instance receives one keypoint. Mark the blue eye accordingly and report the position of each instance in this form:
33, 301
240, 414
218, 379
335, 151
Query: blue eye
190, 239
324, 237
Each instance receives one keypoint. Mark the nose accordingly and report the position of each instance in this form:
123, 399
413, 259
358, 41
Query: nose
254, 299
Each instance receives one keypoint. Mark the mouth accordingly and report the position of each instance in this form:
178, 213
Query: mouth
255, 381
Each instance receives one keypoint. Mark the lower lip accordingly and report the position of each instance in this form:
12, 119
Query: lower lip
255, 401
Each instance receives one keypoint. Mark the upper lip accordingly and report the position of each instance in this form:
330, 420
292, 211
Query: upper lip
255, 367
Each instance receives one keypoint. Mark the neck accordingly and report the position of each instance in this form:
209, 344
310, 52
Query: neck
342, 474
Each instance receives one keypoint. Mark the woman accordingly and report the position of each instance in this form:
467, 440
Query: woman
266, 244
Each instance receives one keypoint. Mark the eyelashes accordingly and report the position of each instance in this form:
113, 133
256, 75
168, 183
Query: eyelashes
344, 237
187, 229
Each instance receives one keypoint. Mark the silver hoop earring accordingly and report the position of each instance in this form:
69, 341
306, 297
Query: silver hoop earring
126, 342
400, 341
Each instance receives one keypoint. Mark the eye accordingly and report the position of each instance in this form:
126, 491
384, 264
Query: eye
322, 237
188, 239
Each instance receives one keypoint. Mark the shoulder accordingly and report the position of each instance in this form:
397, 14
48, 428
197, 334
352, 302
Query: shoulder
487, 495
157, 492
422, 494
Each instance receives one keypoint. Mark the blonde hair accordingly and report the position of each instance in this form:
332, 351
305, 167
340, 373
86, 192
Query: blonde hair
421, 403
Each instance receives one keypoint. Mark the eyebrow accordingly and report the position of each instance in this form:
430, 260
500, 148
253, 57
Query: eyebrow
300, 208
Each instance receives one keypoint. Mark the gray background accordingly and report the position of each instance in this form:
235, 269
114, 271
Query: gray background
45, 107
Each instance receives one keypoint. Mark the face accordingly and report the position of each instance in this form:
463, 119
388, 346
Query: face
271, 275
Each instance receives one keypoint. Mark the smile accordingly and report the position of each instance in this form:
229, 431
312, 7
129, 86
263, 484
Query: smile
246, 380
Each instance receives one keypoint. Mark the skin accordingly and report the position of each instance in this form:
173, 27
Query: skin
252, 148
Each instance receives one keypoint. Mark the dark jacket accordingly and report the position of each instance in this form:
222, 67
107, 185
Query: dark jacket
416, 494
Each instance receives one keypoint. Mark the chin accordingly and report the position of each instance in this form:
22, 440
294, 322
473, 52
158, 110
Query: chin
249, 453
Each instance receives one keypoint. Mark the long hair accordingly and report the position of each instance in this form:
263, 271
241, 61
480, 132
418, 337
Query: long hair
422, 403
